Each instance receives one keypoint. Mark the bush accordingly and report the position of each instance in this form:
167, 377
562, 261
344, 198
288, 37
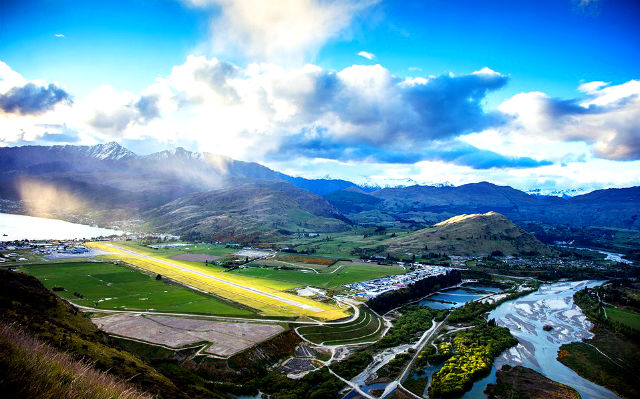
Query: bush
473, 353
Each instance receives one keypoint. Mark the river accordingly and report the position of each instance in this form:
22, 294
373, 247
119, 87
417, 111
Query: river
613, 256
20, 227
552, 304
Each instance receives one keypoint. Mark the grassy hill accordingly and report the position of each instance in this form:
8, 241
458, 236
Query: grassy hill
34, 369
249, 212
475, 234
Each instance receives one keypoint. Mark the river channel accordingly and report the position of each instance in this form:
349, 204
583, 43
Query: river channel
552, 304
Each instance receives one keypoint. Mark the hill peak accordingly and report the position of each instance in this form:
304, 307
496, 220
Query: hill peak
472, 235
470, 217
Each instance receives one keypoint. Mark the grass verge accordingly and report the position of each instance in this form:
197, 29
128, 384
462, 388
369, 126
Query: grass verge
31, 368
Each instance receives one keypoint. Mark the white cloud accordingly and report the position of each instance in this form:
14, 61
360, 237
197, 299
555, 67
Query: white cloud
367, 55
60, 35
361, 120
9, 78
592, 87
287, 31
607, 119
29, 109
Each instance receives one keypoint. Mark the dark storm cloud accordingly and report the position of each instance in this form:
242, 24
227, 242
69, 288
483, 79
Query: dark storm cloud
452, 105
452, 151
395, 120
31, 99
402, 112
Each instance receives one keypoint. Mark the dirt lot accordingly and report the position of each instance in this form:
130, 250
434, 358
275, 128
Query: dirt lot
251, 253
195, 257
295, 365
226, 338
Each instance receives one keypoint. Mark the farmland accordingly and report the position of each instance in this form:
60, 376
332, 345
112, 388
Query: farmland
629, 319
266, 296
341, 245
169, 251
336, 276
108, 286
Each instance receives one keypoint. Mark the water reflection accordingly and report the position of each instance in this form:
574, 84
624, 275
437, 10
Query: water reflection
20, 227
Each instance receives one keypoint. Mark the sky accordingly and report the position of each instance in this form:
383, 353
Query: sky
533, 94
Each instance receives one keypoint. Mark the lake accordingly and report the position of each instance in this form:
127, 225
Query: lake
20, 227
452, 298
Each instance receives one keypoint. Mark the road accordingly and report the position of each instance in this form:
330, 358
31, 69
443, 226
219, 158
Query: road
351, 384
252, 290
424, 340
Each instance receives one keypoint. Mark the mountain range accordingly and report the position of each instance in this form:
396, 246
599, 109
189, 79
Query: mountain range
212, 195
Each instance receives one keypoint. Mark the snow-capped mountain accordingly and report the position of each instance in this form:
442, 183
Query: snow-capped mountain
109, 151
173, 153
567, 193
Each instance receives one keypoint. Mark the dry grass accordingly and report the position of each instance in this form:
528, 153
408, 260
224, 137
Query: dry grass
31, 368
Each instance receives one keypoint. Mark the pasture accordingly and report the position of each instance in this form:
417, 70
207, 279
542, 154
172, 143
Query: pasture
201, 248
341, 245
117, 287
629, 319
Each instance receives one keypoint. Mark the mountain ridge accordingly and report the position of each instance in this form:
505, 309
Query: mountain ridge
114, 184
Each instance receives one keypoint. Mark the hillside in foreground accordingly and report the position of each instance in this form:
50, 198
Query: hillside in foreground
471, 235
61, 344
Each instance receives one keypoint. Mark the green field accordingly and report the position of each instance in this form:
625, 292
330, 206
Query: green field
346, 273
340, 245
366, 328
109, 286
629, 319
202, 248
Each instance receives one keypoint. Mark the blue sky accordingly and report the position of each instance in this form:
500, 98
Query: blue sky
135, 71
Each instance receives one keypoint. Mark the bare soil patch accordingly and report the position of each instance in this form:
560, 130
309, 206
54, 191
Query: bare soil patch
226, 338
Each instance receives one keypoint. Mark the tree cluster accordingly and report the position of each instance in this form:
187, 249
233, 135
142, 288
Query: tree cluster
390, 300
